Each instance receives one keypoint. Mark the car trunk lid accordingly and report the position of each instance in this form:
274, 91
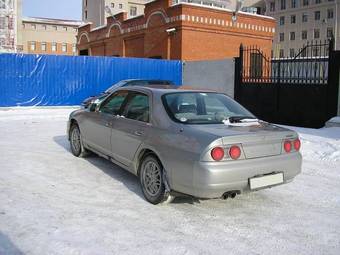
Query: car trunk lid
259, 140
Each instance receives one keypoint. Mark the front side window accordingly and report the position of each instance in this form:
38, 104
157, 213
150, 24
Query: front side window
113, 104
137, 108
202, 108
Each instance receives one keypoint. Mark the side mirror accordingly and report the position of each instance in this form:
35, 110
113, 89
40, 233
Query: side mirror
93, 107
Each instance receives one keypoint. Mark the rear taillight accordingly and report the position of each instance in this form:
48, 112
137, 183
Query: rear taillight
297, 144
234, 152
217, 153
287, 145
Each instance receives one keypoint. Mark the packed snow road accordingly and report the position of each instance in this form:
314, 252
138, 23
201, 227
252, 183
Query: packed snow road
54, 203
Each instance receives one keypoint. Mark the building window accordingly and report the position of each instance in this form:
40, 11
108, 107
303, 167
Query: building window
44, 27
120, 6
316, 33
112, 5
282, 37
133, 11
33, 26
55, 28
316, 51
293, 4
291, 53
64, 47
282, 20
305, 2
33, 46
304, 35
293, 19
282, 53
304, 17
272, 6
43, 46
330, 14
2, 4
329, 32
85, 3
65, 28
283, 4
317, 15
292, 36
318, 1
85, 14
74, 48
2, 22
54, 46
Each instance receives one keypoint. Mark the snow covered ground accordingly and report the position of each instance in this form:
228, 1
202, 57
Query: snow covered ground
54, 203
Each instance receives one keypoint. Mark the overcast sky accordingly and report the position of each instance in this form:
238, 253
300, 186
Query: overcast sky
58, 9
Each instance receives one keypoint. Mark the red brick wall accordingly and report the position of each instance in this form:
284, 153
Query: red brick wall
201, 33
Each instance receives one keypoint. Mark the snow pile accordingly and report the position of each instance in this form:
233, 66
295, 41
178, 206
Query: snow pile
320, 144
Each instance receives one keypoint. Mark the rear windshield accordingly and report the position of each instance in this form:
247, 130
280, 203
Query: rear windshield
202, 108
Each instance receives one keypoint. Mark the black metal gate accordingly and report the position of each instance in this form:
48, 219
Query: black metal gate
299, 91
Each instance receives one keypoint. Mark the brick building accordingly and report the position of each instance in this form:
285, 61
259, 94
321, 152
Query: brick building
177, 30
49, 36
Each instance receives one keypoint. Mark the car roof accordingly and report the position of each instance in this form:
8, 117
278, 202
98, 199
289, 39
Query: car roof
165, 89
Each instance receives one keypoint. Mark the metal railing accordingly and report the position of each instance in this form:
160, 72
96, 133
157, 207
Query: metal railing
310, 65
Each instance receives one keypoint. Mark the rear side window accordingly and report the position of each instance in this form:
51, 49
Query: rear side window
113, 104
137, 108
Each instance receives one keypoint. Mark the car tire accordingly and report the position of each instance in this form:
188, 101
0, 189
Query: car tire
76, 142
151, 180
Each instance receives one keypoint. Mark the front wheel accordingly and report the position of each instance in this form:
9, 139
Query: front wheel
151, 179
76, 143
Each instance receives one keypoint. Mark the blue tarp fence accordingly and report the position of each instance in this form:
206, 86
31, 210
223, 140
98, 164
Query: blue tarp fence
48, 80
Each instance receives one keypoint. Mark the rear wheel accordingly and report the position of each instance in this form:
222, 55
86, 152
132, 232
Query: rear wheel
76, 143
151, 179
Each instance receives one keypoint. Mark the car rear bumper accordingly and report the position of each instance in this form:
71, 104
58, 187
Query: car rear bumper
213, 179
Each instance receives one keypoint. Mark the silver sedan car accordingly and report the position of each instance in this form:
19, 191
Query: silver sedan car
186, 142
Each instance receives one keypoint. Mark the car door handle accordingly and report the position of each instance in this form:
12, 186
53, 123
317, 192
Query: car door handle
139, 133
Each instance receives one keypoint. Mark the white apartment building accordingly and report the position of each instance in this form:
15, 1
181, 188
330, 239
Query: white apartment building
96, 11
302, 21
10, 26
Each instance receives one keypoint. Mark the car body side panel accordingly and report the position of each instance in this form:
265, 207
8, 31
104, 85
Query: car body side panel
127, 136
